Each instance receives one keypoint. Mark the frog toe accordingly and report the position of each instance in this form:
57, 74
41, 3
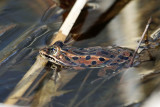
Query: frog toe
56, 76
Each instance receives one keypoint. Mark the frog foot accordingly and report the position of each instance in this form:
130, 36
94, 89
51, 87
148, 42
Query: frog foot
56, 76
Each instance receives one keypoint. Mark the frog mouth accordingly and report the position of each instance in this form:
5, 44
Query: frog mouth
50, 58
46, 56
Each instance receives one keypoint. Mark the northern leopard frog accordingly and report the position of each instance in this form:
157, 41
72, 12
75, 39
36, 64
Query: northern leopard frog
113, 58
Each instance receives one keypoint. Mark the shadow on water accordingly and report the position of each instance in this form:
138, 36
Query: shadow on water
27, 26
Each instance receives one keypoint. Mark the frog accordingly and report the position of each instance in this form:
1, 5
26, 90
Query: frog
113, 58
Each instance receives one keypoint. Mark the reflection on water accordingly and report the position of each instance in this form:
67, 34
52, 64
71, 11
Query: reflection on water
127, 36
26, 26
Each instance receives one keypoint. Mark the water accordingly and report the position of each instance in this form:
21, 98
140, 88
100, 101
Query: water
26, 26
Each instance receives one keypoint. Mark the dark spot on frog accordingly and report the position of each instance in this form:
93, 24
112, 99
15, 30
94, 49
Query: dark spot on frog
74, 58
120, 56
94, 62
89, 65
112, 56
67, 58
103, 52
65, 49
73, 63
101, 59
125, 58
82, 65
88, 57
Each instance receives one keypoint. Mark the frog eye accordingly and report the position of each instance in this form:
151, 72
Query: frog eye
53, 50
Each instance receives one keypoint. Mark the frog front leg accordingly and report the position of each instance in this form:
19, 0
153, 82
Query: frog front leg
56, 74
